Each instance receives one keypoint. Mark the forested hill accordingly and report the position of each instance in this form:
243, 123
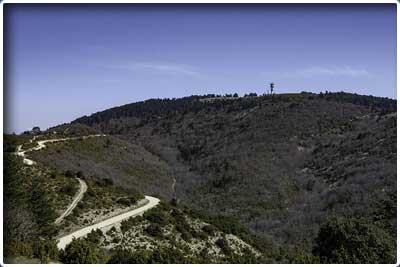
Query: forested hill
294, 169
153, 108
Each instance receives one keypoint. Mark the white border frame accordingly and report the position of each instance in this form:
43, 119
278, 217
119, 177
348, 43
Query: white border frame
182, 2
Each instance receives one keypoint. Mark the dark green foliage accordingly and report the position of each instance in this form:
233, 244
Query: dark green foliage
129, 223
224, 246
182, 226
157, 216
80, 174
103, 195
68, 189
247, 257
46, 250
126, 166
43, 249
29, 211
124, 256
131, 200
354, 241
209, 229
280, 166
95, 236
11, 141
18, 248
161, 254
154, 230
39, 201
82, 251
383, 104
69, 173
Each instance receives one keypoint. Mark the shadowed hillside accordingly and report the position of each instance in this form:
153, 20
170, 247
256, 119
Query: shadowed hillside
282, 165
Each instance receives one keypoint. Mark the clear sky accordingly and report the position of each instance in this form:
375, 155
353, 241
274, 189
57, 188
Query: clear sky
63, 61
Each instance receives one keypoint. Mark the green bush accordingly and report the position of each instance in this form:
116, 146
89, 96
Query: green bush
161, 254
16, 248
46, 250
209, 229
354, 241
223, 244
82, 251
95, 236
68, 189
154, 230
157, 216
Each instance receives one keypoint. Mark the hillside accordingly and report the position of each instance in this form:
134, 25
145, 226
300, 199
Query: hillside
49, 197
125, 165
268, 179
282, 165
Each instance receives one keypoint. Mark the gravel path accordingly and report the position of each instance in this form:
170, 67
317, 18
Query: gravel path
77, 198
65, 240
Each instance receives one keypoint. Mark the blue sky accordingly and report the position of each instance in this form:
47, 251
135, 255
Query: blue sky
63, 61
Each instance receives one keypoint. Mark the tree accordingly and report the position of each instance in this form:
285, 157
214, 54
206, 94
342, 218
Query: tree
45, 250
354, 241
81, 251
235, 95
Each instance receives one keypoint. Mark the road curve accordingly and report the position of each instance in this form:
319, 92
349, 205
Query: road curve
65, 240
79, 196
41, 145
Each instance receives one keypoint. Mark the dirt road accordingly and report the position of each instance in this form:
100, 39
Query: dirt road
65, 240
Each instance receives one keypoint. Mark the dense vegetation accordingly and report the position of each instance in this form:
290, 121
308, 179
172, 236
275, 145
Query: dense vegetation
150, 109
299, 178
164, 234
29, 212
126, 166
282, 165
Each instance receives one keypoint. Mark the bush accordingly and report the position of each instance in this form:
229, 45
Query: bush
154, 230
68, 189
95, 236
126, 256
224, 246
184, 229
157, 216
209, 229
46, 250
160, 255
80, 174
17, 248
69, 174
81, 251
354, 241
127, 224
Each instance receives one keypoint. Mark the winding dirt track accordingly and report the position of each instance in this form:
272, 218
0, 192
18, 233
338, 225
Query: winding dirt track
65, 240
41, 145
77, 198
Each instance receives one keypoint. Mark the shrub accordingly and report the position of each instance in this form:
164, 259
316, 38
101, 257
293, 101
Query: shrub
81, 251
185, 232
15, 248
154, 230
224, 246
45, 250
68, 189
69, 173
209, 229
354, 241
157, 216
80, 174
95, 236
